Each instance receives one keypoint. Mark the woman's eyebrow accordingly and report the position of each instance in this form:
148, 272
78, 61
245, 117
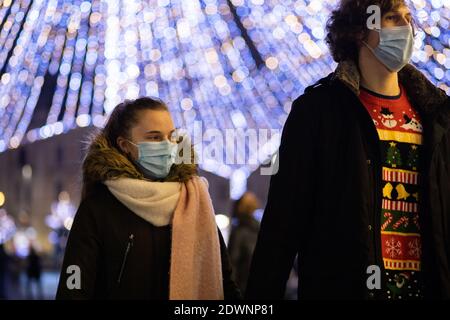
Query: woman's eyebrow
159, 132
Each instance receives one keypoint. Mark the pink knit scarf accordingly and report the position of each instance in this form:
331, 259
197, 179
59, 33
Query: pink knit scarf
195, 268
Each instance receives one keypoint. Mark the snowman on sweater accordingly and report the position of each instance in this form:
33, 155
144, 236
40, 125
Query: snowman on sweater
388, 118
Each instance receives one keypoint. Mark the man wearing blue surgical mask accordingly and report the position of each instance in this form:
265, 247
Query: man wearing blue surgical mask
362, 194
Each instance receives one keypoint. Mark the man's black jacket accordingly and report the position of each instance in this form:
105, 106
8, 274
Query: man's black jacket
324, 202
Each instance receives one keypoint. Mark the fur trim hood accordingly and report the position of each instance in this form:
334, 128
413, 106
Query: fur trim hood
104, 162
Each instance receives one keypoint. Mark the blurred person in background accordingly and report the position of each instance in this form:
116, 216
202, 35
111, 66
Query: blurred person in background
362, 193
244, 233
34, 272
145, 228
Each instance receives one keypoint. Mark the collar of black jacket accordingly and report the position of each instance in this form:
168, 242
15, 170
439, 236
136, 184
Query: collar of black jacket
424, 95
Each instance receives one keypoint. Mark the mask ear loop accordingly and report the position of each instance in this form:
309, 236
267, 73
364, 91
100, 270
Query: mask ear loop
134, 144
128, 154
367, 45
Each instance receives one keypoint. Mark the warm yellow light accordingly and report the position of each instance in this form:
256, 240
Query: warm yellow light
272, 63
2, 199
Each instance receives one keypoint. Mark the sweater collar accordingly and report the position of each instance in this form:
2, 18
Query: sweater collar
424, 95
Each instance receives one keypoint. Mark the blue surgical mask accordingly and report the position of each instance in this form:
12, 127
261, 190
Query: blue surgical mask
395, 47
156, 158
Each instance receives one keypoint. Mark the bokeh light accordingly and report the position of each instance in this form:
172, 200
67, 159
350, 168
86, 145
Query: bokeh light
229, 64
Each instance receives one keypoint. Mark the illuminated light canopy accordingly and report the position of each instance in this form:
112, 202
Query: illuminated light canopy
229, 64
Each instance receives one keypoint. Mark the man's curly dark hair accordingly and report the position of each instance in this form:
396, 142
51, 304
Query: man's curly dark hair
347, 26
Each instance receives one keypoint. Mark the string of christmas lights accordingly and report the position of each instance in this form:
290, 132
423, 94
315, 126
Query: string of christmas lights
228, 64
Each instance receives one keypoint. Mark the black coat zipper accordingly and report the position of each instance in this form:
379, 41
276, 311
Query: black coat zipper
125, 257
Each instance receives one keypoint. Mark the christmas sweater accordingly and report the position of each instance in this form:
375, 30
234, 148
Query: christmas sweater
400, 135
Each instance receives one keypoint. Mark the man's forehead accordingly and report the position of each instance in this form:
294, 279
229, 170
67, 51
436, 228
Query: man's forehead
402, 8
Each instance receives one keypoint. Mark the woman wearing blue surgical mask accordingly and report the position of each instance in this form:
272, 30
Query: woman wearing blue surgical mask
145, 228
365, 155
